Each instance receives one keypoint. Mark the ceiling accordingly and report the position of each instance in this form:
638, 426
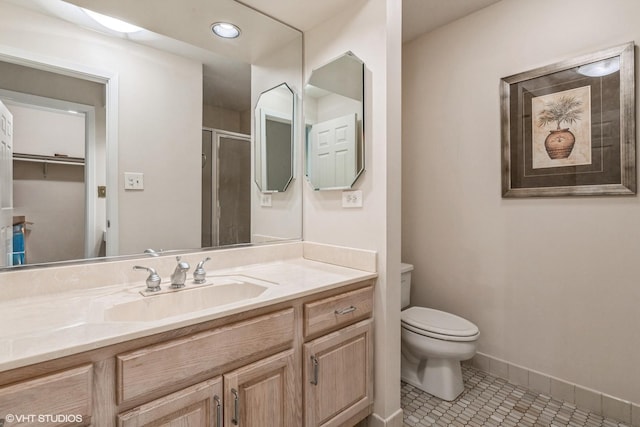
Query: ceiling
418, 16
226, 63
423, 16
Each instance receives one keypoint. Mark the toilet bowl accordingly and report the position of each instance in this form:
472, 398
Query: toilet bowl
433, 343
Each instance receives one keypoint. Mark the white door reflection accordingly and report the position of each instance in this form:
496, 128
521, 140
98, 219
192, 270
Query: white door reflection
333, 145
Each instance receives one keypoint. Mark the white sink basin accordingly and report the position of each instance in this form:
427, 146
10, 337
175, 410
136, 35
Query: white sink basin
183, 301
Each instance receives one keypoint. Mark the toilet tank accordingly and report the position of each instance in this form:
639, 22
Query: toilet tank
405, 284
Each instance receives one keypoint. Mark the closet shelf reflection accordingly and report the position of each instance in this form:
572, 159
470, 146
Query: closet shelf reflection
64, 160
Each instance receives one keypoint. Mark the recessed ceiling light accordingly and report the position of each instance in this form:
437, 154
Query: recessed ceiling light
112, 23
225, 30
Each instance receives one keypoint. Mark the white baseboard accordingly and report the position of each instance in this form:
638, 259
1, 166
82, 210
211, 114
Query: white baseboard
395, 420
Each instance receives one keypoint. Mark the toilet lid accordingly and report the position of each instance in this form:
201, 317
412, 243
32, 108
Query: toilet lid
438, 322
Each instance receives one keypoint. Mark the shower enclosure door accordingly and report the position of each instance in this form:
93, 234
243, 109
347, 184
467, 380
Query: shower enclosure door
226, 188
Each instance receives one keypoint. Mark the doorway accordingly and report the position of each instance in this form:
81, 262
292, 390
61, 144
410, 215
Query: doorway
53, 157
48, 87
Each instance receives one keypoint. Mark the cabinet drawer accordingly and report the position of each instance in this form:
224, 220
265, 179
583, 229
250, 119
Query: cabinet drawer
153, 368
337, 311
198, 405
63, 398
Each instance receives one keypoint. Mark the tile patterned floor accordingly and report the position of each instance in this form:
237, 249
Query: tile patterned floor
492, 401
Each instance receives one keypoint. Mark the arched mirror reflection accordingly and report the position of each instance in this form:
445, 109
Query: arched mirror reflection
334, 119
274, 115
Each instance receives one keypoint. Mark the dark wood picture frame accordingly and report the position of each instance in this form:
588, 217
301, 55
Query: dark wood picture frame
568, 129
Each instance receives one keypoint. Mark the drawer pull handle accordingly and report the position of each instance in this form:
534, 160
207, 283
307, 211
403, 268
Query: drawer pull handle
347, 310
218, 411
236, 406
316, 367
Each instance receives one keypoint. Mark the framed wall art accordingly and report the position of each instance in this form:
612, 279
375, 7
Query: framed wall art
568, 129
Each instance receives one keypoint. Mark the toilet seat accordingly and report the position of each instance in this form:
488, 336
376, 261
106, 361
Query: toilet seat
438, 324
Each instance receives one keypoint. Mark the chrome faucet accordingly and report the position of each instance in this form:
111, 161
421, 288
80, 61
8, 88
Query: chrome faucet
151, 252
199, 275
179, 275
153, 281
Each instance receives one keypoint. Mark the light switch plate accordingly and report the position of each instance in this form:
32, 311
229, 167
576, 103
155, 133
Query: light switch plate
352, 199
133, 181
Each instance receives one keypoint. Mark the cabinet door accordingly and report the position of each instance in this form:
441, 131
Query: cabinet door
196, 406
262, 394
62, 398
338, 376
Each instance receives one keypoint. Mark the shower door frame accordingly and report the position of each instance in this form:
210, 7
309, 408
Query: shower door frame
216, 134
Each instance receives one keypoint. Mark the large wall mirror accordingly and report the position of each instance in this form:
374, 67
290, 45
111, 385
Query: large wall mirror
334, 121
133, 139
274, 135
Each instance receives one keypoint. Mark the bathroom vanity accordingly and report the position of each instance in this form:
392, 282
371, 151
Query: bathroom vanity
298, 354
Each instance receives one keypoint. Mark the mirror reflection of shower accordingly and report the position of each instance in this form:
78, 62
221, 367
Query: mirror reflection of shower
226, 188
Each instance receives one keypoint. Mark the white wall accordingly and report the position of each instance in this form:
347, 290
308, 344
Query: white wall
160, 117
281, 220
331, 106
371, 30
552, 283
46, 133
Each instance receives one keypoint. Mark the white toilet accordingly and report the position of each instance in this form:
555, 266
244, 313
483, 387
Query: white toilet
433, 344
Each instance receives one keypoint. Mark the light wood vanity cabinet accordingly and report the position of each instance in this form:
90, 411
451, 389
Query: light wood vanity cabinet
60, 398
154, 368
199, 405
304, 362
338, 366
261, 394
258, 394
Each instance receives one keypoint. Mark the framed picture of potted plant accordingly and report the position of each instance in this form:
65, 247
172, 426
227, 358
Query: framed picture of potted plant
568, 129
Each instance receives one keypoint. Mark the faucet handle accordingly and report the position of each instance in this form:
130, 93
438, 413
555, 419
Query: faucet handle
153, 281
182, 265
179, 275
199, 275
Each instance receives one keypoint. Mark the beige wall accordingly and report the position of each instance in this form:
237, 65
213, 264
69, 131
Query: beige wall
551, 283
224, 119
53, 208
371, 30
